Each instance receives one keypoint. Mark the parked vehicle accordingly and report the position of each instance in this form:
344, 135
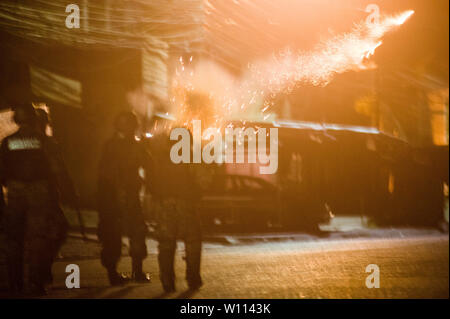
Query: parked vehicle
326, 170
239, 203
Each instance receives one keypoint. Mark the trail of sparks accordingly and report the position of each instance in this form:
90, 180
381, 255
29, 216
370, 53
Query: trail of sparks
340, 54
287, 70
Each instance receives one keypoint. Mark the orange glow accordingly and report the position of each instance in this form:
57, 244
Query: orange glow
7, 125
438, 105
249, 98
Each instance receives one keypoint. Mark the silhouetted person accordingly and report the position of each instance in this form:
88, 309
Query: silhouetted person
175, 194
120, 210
27, 170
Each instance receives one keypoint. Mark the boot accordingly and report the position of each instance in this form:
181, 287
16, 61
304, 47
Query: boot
116, 279
138, 275
195, 285
168, 285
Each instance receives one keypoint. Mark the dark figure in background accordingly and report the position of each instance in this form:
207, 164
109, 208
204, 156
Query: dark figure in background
175, 194
119, 208
27, 171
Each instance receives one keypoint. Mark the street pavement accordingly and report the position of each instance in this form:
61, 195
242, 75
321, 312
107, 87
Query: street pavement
413, 264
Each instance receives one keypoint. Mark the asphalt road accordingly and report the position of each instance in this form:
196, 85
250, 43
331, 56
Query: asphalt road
412, 264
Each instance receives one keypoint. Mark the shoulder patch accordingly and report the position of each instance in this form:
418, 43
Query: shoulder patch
30, 143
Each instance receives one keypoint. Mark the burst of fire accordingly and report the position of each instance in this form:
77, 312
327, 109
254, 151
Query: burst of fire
281, 74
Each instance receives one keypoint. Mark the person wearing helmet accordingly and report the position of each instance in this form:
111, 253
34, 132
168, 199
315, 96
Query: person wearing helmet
175, 194
27, 175
119, 206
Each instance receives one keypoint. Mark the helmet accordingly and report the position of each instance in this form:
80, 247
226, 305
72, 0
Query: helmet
42, 116
24, 114
126, 122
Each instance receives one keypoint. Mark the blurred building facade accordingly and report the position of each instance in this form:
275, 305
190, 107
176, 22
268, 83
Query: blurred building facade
125, 54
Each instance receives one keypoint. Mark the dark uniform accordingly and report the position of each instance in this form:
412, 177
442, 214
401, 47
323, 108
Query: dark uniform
119, 207
175, 194
31, 217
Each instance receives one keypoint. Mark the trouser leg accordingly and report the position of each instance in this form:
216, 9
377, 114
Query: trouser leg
41, 237
14, 223
111, 249
138, 252
54, 244
110, 255
37, 261
48, 257
138, 247
191, 231
15, 265
166, 260
166, 232
50, 252
193, 257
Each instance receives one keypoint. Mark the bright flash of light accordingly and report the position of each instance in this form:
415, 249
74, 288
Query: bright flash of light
339, 54
282, 73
